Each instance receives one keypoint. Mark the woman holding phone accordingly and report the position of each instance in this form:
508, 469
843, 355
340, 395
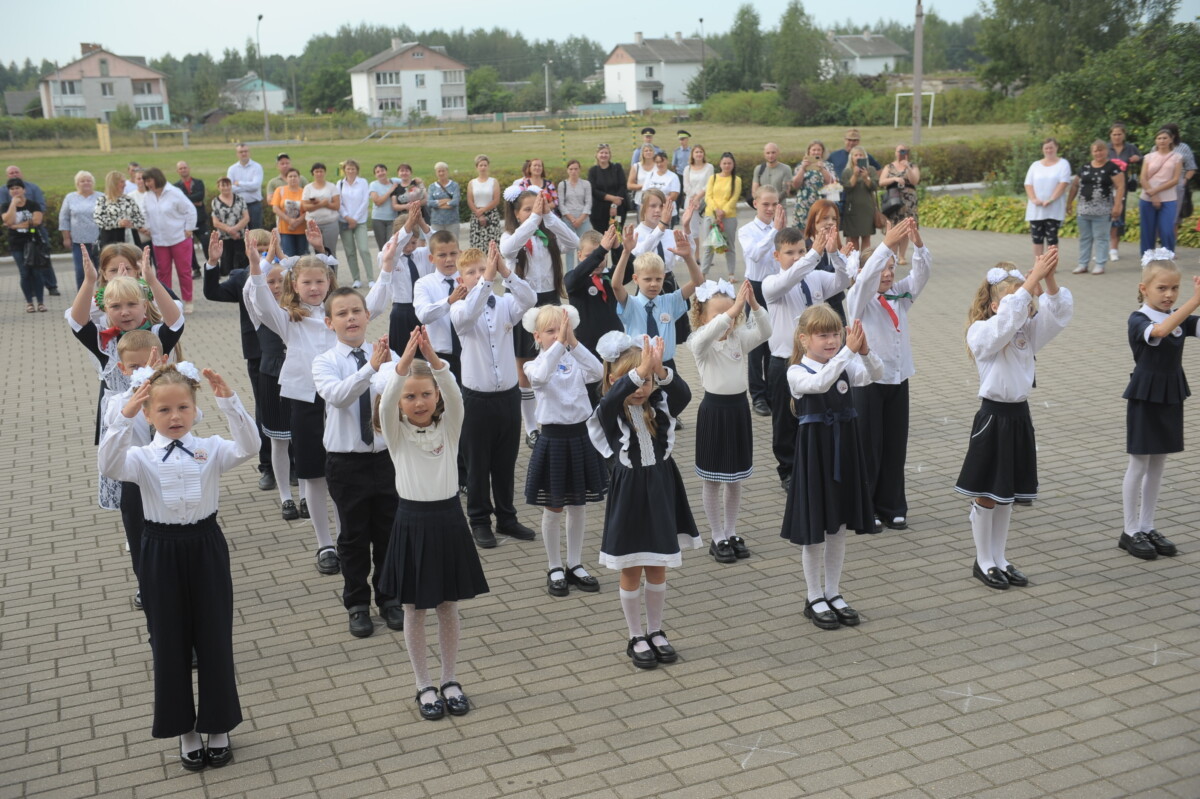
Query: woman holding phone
904, 176
860, 180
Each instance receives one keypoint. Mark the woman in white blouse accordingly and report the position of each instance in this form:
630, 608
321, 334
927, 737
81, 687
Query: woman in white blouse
695, 181
352, 222
575, 204
1046, 185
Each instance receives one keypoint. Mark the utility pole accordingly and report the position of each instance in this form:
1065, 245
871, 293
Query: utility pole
703, 74
262, 80
549, 61
918, 66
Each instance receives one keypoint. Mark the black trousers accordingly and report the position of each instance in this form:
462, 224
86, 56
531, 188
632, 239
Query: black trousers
883, 428
134, 521
783, 421
363, 487
264, 445
756, 364
491, 439
232, 257
187, 592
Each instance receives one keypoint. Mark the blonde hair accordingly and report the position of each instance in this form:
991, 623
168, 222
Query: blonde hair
258, 237
857, 152
1148, 274
290, 299
629, 360
592, 238
696, 314
546, 316
112, 252
819, 318
83, 173
648, 262
419, 370
114, 185
137, 341
482, 157
988, 294
469, 256
127, 288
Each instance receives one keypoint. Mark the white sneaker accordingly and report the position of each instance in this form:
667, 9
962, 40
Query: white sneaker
358, 284
1079, 270
370, 284
1097, 270
187, 307
1113, 255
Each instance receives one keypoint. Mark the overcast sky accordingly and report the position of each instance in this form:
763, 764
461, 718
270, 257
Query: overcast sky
153, 29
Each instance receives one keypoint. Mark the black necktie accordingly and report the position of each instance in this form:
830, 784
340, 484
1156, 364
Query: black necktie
455, 345
661, 252
174, 445
651, 322
364, 403
413, 274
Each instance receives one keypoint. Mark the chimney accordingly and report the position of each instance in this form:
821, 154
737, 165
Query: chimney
88, 47
866, 34
397, 43
678, 37
637, 38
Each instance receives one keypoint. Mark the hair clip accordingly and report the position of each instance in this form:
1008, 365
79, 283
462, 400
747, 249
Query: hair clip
613, 344
1160, 254
706, 290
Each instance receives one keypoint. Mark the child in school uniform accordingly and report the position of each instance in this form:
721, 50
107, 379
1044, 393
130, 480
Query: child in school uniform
882, 304
652, 235
433, 296
565, 470
532, 245
1003, 336
409, 229
298, 318
757, 241
828, 493
491, 433
589, 290
431, 560
358, 470
724, 439
647, 518
117, 260
185, 575
788, 293
1154, 397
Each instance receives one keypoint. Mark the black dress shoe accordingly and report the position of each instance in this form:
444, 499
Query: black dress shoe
517, 530
761, 408
393, 616
328, 561
825, 619
289, 511
1137, 545
457, 705
431, 711
740, 550
992, 578
664, 653
643, 660
266, 481
361, 625
847, 615
1162, 545
584, 582
193, 761
53, 292
532, 438
722, 552
895, 523
1015, 576
557, 586
304, 509
218, 756
785, 483
484, 537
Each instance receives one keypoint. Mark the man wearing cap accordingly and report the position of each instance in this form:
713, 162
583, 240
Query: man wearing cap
283, 163
647, 138
680, 159
840, 158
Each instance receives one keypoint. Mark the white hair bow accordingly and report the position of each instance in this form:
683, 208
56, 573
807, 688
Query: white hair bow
188, 370
996, 275
706, 290
141, 375
613, 344
1160, 254
512, 193
529, 320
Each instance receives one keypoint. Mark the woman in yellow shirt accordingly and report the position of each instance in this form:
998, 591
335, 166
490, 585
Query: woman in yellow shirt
721, 199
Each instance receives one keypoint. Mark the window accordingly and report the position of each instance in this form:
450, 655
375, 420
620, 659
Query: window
108, 116
453, 76
387, 78
420, 76
106, 90
457, 101
421, 106
649, 72
68, 87
143, 87
104, 67
71, 112
150, 113
390, 104
418, 54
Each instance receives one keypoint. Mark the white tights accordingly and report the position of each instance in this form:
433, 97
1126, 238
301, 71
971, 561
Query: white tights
1143, 480
316, 491
414, 641
722, 501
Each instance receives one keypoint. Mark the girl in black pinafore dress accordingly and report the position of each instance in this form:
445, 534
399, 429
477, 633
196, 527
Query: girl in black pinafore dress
1155, 395
829, 491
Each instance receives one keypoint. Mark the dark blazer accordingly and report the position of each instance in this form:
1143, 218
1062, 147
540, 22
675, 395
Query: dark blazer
597, 310
230, 290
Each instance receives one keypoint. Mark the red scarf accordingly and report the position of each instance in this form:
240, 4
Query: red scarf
887, 306
599, 284
110, 333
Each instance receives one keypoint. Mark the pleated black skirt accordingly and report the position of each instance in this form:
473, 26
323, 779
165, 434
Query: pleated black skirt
431, 557
308, 422
1001, 461
1153, 428
724, 440
522, 338
647, 520
565, 469
829, 487
274, 412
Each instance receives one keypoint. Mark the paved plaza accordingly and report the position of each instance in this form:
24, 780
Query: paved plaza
1084, 684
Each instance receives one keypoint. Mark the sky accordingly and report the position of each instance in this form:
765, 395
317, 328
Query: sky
158, 28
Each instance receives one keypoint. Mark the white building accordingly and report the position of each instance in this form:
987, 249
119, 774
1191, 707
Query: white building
246, 94
407, 77
865, 53
649, 72
95, 84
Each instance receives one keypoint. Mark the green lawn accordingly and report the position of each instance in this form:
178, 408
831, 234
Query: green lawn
54, 169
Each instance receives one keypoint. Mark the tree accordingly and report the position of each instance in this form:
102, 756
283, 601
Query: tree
747, 42
326, 89
714, 77
484, 93
798, 51
123, 118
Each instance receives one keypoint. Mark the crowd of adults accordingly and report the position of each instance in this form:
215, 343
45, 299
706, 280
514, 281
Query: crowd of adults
141, 207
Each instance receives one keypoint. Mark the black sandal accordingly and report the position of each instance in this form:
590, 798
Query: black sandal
557, 586
456, 705
585, 582
431, 711
847, 615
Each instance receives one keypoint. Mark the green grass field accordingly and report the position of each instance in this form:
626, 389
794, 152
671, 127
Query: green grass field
54, 169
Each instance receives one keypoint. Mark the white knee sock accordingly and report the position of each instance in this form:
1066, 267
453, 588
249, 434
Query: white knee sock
981, 531
656, 600
733, 504
1001, 519
631, 606
811, 556
447, 614
552, 537
280, 468
1151, 485
835, 556
576, 523
710, 494
529, 409
1131, 492
316, 492
414, 642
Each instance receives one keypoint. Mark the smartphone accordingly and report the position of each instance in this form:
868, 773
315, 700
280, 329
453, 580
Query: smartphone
904, 153
862, 163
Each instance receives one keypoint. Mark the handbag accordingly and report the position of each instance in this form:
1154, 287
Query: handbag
37, 250
893, 201
880, 221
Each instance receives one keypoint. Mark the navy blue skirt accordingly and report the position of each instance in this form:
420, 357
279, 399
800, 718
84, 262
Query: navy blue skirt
431, 557
1001, 461
724, 440
565, 469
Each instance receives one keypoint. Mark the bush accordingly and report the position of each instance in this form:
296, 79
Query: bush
23, 129
746, 108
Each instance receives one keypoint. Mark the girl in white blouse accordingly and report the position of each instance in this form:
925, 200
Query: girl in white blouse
431, 558
186, 585
565, 470
724, 440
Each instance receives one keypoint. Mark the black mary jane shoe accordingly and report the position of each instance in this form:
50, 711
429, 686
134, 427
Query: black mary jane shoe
848, 616
431, 711
193, 761
1162, 545
1137, 545
218, 756
896, 523
1015, 576
825, 619
664, 653
643, 660
456, 705
740, 550
557, 586
992, 578
584, 582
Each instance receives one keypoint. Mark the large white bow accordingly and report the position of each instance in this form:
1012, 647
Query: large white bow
706, 290
1160, 254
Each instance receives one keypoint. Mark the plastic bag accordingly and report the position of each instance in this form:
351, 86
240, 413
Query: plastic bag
716, 240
